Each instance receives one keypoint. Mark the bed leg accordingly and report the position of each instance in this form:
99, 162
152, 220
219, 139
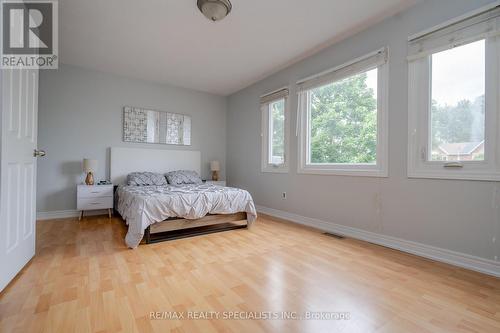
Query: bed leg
147, 235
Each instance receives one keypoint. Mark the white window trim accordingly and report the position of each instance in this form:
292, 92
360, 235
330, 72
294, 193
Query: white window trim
380, 168
419, 85
265, 101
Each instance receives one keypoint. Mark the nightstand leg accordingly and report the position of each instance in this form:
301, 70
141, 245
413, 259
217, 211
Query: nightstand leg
81, 215
109, 212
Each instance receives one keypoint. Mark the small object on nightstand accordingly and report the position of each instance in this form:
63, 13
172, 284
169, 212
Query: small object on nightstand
92, 197
215, 168
216, 182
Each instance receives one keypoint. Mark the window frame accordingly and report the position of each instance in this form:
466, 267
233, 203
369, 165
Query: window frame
378, 169
266, 101
419, 113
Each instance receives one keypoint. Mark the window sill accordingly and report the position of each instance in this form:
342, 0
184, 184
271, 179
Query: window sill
271, 169
344, 172
455, 175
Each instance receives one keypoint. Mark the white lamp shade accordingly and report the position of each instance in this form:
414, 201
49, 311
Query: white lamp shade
89, 165
214, 166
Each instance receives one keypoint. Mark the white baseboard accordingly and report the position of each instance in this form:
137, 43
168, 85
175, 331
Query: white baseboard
64, 214
474, 263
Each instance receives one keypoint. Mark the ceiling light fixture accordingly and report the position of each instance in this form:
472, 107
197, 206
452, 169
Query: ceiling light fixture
214, 10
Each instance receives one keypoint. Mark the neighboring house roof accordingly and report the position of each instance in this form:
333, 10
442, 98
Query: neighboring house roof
460, 148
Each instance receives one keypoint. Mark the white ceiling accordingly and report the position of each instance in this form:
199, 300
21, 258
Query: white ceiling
170, 41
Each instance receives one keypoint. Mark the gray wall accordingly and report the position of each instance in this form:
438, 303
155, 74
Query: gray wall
457, 215
80, 115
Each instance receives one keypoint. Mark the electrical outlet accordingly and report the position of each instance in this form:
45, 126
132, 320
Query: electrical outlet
283, 195
496, 258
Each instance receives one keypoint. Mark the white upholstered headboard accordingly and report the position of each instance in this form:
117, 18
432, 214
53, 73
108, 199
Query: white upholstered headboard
127, 160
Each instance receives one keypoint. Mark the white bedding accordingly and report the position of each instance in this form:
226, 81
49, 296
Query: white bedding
141, 206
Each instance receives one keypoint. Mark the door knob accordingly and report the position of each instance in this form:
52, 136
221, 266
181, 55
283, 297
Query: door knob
39, 153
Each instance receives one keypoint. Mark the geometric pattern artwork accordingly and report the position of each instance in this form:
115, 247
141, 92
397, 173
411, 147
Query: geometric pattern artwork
150, 126
135, 125
174, 128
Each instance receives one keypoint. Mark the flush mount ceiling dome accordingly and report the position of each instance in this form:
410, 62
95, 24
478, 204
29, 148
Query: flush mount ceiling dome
215, 10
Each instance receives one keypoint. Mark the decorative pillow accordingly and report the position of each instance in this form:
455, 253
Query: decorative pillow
181, 177
145, 178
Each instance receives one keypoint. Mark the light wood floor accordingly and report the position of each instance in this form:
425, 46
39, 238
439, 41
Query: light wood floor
84, 279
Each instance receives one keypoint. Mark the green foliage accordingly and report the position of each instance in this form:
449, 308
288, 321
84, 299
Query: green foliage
344, 122
277, 110
463, 122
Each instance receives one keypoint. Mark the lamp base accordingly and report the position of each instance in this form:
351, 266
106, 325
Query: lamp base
90, 179
215, 175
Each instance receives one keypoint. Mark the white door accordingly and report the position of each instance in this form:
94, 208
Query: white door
17, 170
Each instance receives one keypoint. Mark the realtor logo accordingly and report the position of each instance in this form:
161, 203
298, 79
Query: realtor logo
29, 34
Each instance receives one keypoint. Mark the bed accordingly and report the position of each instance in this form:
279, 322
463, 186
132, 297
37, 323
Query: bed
161, 212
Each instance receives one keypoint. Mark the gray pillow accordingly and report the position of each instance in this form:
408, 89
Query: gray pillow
145, 178
181, 177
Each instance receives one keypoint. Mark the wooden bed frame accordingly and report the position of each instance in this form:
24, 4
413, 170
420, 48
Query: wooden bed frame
175, 228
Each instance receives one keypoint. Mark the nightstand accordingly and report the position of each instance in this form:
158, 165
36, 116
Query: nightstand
92, 197
216, 182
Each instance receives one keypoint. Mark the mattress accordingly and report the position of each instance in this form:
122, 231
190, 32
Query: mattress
141, 206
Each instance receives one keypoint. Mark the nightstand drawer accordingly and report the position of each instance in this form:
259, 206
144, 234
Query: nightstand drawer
95, 191
95, 203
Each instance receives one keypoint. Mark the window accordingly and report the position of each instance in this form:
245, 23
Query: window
275, 131
457, 109
276, 140
452, 100
343, 125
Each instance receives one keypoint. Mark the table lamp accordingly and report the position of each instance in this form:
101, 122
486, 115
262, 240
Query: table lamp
89, 167
215, 168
